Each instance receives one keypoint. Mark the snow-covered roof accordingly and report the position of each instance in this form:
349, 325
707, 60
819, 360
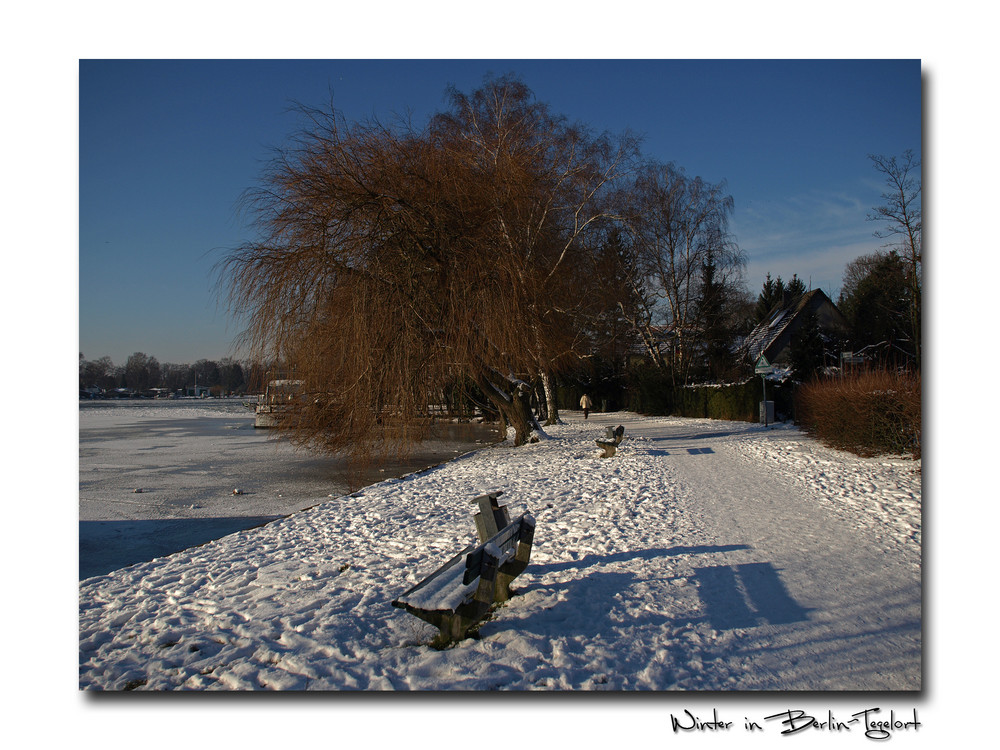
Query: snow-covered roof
782, 315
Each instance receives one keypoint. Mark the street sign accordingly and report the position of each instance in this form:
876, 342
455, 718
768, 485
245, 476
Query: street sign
763, 367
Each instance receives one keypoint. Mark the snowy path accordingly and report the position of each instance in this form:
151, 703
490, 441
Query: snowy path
704, 556
813, 598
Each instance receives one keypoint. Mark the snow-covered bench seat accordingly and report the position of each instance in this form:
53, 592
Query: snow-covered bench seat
610, 442
460, 594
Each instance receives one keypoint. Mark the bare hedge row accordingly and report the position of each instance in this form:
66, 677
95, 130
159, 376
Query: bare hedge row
868, 414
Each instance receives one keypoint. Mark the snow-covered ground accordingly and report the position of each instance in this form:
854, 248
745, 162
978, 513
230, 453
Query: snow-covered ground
705, 556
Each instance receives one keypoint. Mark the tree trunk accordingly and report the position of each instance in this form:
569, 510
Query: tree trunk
552, 410
514, 407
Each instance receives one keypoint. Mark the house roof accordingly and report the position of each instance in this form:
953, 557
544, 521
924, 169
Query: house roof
661, 337
770, 330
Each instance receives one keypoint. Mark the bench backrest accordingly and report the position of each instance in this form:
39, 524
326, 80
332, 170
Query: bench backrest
505, 540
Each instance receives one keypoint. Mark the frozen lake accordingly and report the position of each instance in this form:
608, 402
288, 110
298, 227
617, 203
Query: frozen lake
157, 477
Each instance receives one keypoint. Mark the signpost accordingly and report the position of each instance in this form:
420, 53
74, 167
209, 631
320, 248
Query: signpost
763, 368
849, 358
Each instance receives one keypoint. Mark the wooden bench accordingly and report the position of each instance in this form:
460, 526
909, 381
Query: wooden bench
610, 442
459, 595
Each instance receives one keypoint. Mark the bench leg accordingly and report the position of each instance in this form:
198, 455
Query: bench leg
505, 575
453, 628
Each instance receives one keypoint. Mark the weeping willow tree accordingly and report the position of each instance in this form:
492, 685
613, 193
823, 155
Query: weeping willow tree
392, 263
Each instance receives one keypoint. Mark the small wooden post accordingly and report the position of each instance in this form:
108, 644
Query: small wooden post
491, 517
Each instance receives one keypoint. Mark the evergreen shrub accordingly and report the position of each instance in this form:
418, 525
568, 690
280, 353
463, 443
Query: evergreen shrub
869, 414
650, 391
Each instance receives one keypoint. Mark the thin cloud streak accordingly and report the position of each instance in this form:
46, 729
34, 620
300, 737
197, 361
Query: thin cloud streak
814, 235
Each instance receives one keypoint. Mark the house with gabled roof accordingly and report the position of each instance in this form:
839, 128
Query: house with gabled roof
773, 336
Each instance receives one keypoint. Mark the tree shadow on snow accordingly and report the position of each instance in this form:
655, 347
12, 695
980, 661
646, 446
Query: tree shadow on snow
696, 436
741, 596
730, 597
645, 554
660, 453
106, 546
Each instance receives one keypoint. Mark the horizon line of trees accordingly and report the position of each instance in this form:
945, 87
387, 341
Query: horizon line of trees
142, 372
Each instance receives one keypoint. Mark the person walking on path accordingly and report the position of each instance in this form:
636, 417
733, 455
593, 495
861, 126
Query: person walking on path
585, 404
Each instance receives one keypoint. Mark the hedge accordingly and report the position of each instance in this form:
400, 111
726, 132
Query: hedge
868, 414
651, 392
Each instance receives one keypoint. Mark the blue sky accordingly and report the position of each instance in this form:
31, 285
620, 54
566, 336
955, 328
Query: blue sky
166, 148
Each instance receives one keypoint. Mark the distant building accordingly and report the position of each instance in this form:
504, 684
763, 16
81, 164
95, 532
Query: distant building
275, 400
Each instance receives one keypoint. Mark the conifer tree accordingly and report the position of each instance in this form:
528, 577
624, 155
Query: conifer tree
876, 302
716, 333
796, 287
901, 215
770, 295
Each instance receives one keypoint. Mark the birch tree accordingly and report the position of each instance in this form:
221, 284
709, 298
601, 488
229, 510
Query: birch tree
901, 217
677, 225
545, 182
